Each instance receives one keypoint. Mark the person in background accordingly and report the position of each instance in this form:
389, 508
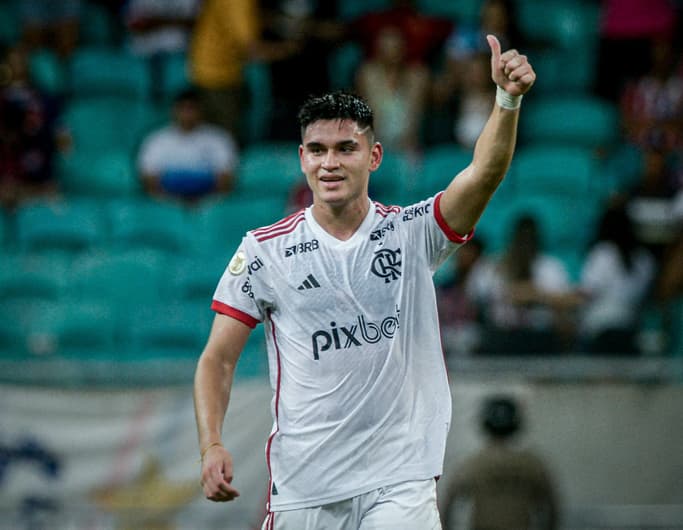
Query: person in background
502, 486
527, 298
224, 40
616, 278
397, 91
459, 314
188, 159
29, 136
52, 24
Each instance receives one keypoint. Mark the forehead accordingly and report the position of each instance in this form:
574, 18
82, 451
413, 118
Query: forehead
333, 131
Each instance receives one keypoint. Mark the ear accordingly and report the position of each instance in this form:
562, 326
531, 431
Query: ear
376, 154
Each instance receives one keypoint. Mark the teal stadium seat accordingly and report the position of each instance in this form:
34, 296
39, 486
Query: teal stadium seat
460, 11
396, 180
559, 170
343, 63
568, 24
10, 23
69, 226
123, 279
29, 278
47, 71
221, 224
108, 71
99, 28
260, 103
149, 224
268, 169
108, 174
440, 164
75, 329
195, 278
580, 120
166, 331
350, 9
174, 75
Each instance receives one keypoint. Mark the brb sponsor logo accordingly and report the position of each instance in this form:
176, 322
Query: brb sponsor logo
387, 264
301, 248
356, 334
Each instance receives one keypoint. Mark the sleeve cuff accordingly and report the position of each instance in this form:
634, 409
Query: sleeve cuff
451, 234
224, 309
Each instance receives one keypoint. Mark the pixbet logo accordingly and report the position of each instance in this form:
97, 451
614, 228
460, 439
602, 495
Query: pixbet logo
343, 337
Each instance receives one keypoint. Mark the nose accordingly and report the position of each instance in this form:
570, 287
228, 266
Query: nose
330, 161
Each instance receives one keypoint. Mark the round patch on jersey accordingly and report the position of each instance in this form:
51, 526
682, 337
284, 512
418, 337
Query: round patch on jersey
238, 263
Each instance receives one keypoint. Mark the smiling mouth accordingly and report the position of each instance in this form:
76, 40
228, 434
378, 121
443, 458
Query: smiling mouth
332, 178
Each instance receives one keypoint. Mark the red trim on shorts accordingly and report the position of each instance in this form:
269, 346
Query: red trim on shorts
224, 309
451, 234
277, 405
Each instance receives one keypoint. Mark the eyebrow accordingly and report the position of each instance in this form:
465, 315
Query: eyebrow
343, 143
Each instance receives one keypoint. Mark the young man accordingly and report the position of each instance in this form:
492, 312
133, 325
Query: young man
344, 289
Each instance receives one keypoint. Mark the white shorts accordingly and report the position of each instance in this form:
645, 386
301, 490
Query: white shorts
405, 506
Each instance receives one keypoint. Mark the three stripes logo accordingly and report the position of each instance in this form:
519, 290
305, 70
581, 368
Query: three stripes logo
309, 283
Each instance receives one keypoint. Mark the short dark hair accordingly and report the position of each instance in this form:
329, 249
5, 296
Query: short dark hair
500, 416
338, 105
187, 95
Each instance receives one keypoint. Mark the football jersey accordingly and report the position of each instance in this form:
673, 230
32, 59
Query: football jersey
361, 397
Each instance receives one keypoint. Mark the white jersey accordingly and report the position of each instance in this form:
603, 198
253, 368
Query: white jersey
361, 394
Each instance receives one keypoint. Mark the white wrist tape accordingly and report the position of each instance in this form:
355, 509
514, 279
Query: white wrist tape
507, 101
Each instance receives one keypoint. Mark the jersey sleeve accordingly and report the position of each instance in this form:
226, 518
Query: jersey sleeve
242, 292
430, 232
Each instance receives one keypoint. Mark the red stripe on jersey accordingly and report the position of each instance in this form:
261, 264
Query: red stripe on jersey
277, 406
451, 234
224, 309
383, 210
282, 231
282, 223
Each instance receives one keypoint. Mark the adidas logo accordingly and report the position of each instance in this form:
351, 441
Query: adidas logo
309, 283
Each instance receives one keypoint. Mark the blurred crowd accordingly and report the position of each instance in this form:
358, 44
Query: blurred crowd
227, 75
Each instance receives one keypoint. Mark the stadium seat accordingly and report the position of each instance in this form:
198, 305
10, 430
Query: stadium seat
70, 226
10, 23
259, 106
149, 224
99, 174
461, 11
104, 124
76, 329
195, 278
561, 23
560, 170
174, 75
439, 165
100, 28
342, 65
268, 169
166, 331
396, 180
221, 224
120, 278
350, 9
47, 71
32, 277
580, 120
108, 71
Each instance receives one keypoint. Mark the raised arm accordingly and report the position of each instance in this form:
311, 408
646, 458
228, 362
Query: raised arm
467, 195
212, 384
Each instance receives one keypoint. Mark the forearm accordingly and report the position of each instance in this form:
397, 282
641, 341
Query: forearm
495, 147
212, 385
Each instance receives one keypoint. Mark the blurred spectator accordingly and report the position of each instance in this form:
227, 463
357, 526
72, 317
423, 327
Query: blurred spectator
461, 88
223, 41
502, 486
459, 315
627, 31
652, 103
396, 90
28, 133
188, 159
157, 28
651, 202
424, 35
52, 24
616, 278
526, 296
297, 39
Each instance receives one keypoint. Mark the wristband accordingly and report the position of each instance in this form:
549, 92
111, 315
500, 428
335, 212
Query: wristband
212, 444
507, 101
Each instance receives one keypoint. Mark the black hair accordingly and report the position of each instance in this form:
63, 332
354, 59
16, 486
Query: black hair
189, 94
338, 105
500, 416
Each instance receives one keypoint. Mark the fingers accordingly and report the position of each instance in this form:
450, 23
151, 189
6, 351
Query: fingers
494, 44
216, 481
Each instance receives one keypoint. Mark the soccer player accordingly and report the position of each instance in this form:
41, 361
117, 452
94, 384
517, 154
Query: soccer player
361, 403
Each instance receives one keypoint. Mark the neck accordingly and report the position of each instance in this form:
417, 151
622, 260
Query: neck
343, 221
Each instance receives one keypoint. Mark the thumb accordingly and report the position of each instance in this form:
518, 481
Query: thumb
494, 44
